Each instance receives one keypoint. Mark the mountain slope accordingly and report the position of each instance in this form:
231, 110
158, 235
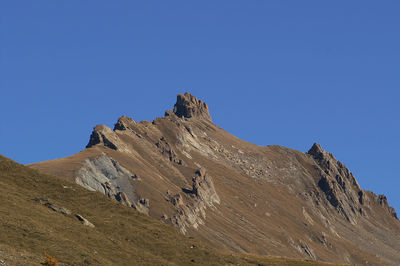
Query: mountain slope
38, 214
184, 170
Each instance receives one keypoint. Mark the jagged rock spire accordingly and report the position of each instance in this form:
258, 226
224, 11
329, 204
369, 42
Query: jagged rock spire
189, 106
100, 135
124, 123
315, 150
103, 135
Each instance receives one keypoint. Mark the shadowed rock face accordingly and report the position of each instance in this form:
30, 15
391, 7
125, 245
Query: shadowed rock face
188, 172
189, 106
338, 184
341, 188
382, 200
103, 135
124, 123
203, 188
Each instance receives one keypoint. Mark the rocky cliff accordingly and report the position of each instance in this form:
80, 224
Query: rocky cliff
184, 170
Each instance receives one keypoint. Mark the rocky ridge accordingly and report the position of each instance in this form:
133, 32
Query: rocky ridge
184, 170
341, 188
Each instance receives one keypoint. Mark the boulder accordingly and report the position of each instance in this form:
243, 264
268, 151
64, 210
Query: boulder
84, 221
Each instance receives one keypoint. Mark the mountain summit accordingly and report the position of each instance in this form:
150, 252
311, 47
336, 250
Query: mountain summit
189, 106
186, 171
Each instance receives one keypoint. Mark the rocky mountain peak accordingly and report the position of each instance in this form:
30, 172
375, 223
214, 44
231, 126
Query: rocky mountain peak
189, 106
99, 135
105, 136
124, 123
317, 152
186, 171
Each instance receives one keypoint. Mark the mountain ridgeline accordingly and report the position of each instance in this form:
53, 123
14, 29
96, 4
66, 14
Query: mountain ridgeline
184, 170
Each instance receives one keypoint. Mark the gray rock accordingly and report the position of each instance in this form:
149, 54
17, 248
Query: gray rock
84, 220
107, 176
123, 199
48, 204
166, 150
191, 212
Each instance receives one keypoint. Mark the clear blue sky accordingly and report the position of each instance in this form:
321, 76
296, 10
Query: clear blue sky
273, 72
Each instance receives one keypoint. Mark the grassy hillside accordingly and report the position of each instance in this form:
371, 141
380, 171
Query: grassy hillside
121, 235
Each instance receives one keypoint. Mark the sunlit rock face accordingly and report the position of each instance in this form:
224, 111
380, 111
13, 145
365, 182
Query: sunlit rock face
184, 170
189, 106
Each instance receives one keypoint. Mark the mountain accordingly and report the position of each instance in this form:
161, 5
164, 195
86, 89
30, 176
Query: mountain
184, 170
42, 214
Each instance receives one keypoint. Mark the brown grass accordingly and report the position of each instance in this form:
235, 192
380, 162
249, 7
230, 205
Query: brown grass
50, 260
121, 235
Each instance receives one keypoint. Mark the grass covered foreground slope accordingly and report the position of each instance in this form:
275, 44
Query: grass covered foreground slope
39, 214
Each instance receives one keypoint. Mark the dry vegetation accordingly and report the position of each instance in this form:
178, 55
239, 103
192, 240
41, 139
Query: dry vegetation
50, 260
121, 235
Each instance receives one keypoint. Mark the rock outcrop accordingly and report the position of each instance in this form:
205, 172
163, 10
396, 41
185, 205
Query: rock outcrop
107, 176
84, 221
338, 184
142, 205
341, 188
203, 188
124, 123
189, 106
46, 202
166, 150
383, 202
103, 135
123, 199
190, 208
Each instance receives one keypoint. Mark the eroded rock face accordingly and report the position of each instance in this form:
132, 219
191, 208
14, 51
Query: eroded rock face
338, 184
341, 188
383, 202
166, 150
302, 248
142, 205
124, 123
84, 221
103, 135
123, 199
190, 207
203, 188
189, 106
109, 189
107, 176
